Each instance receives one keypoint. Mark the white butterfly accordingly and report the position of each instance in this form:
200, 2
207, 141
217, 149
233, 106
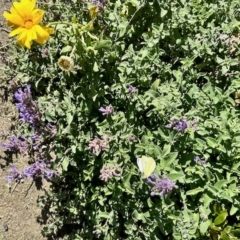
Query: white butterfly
146, 165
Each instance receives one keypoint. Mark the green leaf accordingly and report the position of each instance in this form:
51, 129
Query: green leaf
163, 12
168, 160
236, 233
206, 200
65, 163
66, 49
224, 236
204, 226
176, 176
69, 118
103, 215
102, 44
211, 142
220, 183
195, 191
166, 150
95, 67
233, 210
221, 217
156, 84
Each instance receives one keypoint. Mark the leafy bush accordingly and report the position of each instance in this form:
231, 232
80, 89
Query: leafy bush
132, 78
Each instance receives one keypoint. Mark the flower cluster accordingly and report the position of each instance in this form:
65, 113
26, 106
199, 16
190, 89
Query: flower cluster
15, 175
97, 145
107, 172
37, 140
29, 110
202, 161
37, 169
25, 20
100, 4
17, 144
131, 89
160, 186
182, 125
179, 125
106, 111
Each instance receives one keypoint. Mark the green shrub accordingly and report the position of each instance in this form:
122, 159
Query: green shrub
158, 64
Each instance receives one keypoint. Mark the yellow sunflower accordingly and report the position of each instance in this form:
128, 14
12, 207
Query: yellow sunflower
24, 19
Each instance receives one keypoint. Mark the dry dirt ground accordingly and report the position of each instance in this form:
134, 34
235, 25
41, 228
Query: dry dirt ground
18, 211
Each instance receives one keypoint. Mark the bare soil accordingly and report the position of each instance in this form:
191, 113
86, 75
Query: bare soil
19, 212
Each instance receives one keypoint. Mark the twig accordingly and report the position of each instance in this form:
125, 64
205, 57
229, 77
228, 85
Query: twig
15, 186
29, 188
5, 30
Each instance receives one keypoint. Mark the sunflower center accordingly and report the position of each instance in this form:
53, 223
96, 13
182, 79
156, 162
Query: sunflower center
66, 63
28, 24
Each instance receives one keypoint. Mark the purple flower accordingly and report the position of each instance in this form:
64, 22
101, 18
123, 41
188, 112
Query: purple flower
131, 89
37, 140
28, 109
131, 138
179, 125
202, 161
51, 129
108, 172
14, 175
17, 144
97, 145
44, 53
38, 169
100, 4
160, 186
106, 111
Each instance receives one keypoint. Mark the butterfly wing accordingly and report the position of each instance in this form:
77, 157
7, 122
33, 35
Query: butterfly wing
149, 167
146, 165
141, 164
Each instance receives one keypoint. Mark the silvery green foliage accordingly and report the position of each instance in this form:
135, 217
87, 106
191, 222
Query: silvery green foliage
181, 62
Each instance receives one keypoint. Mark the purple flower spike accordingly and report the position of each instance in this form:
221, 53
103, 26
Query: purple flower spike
17, 144
106, 111
100, 4
37, 141
160, 186
202, 161
52, 129
97, 145
28, 109
108, 172
39, 169
14, 175
182, 125
131, 89
179, 125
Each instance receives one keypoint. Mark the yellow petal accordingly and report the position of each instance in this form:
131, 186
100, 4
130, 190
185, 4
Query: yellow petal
29, 6
16, 31
20, 10
14, 18
25, 8
13, 10
23, 35
29, 39
37, 15
25, 38
22, 38
41, 32
49, 30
